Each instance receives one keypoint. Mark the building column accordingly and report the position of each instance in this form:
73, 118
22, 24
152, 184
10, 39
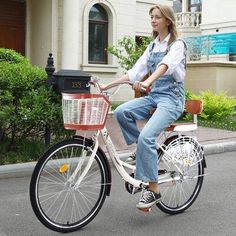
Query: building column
70, 34
184, 5
54, 32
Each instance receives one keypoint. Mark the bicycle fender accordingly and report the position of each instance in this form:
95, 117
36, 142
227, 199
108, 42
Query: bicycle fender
171, 138
204, 159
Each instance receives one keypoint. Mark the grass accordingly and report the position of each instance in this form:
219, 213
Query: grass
226, 124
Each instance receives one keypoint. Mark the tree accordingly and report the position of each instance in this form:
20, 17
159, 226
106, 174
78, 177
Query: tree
128, 51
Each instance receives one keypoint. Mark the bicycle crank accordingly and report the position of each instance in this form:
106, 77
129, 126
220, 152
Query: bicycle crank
130, 188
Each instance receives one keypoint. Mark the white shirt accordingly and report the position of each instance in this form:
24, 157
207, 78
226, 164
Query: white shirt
174, 59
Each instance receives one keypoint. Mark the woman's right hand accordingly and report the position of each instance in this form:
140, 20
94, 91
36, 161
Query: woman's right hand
141, 86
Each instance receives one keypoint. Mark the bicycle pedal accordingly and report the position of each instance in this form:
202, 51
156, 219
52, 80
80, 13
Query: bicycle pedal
130, 188
136, 190
145, 210
162, 172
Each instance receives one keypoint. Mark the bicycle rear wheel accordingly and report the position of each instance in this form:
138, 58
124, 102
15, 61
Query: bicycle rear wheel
57, 201
179, 191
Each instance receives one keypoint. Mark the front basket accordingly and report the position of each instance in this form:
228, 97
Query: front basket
84, 111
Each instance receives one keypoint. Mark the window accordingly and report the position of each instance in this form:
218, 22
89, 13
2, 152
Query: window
195, 5
98, 35
177, 6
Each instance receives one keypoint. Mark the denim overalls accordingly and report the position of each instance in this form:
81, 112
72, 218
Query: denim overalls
168, 97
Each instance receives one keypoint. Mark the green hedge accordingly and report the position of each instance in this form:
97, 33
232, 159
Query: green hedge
10, 56
27, 105
216, 107
219, 110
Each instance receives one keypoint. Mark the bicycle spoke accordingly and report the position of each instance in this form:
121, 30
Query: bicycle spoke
76, 212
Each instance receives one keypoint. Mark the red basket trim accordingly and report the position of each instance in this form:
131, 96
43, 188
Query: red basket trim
84, 127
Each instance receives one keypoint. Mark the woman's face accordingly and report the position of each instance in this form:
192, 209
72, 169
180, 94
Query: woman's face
158, 21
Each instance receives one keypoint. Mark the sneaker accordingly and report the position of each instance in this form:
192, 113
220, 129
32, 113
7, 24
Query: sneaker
148, 199
131, 159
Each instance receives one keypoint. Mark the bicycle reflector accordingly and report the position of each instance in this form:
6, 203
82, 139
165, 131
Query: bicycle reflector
84, 111
63, 168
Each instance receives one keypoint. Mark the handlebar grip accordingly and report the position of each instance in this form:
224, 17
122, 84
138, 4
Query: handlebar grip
146, 90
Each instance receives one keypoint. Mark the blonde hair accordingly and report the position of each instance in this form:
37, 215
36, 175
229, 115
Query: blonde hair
168, 13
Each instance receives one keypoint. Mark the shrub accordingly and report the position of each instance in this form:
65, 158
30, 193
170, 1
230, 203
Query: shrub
28, 106
10, 56
188, 94
216, 107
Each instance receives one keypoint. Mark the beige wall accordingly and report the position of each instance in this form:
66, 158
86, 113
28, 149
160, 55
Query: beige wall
39, 21
43, 31
214, 76
218, 14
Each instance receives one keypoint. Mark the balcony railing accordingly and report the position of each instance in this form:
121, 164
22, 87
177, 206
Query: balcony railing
188, 19
217, 47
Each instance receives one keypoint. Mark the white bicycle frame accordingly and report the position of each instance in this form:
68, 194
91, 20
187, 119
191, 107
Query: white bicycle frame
118, 163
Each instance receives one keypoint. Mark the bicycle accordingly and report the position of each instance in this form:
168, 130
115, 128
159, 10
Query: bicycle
72, 179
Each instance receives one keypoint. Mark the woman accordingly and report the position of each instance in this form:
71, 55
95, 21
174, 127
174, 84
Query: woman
165, 58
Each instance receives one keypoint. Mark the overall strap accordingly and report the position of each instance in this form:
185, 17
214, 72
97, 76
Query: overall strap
169, 46
151, 46
185, 51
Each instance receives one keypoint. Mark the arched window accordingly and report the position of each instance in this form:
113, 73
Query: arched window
98, 35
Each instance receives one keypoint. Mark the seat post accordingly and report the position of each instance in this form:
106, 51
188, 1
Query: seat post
195, 118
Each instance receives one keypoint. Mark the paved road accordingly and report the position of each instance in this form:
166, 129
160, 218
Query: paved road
214, 212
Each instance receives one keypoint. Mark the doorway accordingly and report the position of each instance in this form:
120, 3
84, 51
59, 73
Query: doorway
12, 25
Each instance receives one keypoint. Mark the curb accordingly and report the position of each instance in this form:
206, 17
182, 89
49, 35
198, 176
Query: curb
25, 169
216, 148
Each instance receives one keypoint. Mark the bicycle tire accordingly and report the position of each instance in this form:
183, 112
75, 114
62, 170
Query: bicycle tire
58, 204
171, 200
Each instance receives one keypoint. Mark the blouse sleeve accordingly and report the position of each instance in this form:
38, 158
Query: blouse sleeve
140, 68
174, 57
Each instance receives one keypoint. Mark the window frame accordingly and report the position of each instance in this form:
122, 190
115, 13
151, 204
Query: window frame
103, 23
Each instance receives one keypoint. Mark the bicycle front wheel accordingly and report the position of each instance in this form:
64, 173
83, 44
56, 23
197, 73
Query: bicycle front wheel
57, 199
182, 180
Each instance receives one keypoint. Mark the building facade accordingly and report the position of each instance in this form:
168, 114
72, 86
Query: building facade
77, 31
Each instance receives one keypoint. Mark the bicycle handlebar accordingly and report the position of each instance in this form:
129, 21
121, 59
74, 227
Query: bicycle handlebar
95, 82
